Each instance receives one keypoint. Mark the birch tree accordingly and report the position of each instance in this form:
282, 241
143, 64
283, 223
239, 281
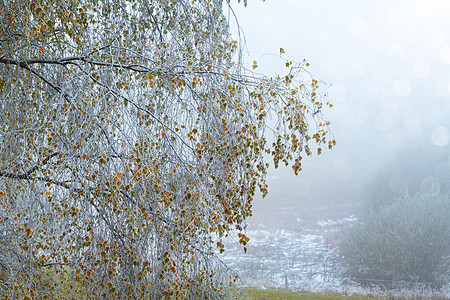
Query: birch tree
132, 139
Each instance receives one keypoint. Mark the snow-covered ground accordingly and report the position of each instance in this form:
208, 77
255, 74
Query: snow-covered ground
302, 258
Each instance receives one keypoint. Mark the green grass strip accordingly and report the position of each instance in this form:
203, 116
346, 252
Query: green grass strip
263, 294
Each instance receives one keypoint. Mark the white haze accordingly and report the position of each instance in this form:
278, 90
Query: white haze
388, 63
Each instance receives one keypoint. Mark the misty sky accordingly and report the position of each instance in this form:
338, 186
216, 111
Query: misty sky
388, 63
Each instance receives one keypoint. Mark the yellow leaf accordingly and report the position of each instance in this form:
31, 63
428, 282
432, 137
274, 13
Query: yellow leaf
48, 193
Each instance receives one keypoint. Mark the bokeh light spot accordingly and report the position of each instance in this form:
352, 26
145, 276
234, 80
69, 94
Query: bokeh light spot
390, 102
422, 69
412, 127
398, 51
444, 54
443, 87
440, 137
437, 39
430, 185
402, 87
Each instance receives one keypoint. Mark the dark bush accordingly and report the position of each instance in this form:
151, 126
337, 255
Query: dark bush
408, 240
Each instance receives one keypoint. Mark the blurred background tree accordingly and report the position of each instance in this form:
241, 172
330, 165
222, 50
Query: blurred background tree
418, 167
402, 232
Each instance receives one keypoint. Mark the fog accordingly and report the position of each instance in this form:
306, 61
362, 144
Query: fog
388, 67
387, 64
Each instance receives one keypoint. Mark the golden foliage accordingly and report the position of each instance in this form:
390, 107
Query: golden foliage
133, 140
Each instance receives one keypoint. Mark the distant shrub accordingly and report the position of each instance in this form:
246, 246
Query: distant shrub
418, 167
408, 240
